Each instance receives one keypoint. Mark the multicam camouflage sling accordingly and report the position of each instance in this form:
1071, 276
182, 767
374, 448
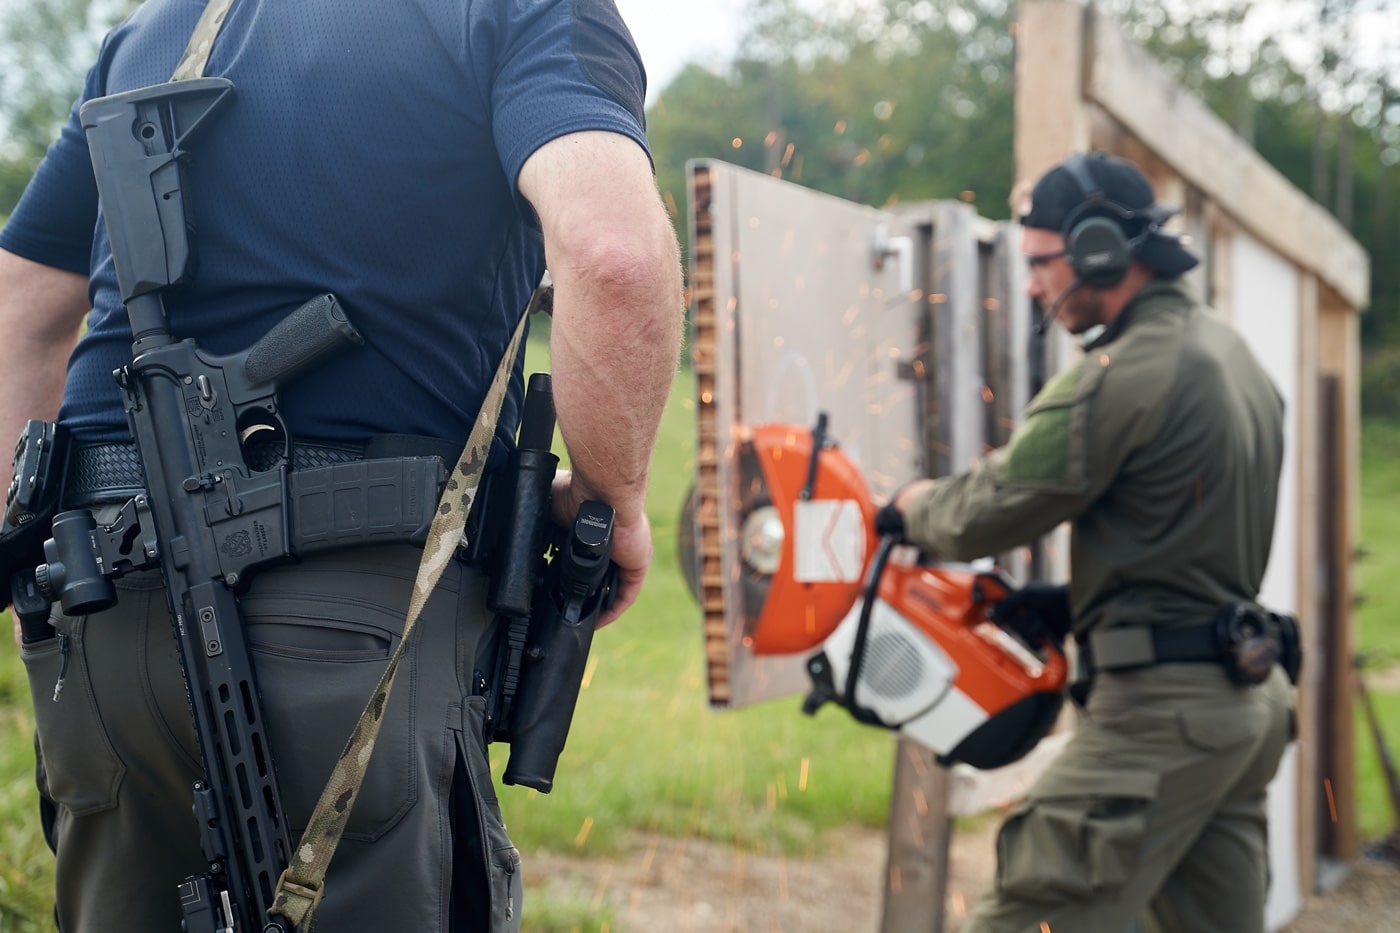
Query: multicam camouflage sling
196, 57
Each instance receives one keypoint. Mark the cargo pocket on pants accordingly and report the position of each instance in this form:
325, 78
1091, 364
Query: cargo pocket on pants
1077, 835
81, 768
319, 660
502, 859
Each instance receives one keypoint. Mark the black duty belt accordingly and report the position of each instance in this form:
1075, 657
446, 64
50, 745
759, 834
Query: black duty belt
1127, 647
335, 496
99, 473
112, 472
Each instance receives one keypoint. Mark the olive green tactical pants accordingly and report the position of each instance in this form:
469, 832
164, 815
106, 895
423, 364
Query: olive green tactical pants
425, 850
1155, 810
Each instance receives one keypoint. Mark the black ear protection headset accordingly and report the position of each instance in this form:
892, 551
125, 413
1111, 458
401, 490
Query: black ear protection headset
1096, 240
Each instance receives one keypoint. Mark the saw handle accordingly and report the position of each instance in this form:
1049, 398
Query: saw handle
818, 442
872, 588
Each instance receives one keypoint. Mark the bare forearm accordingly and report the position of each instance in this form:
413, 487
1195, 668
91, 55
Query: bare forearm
31, 383
615, 340
614, 351
41, 309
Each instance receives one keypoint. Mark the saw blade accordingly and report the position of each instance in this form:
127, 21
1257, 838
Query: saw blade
686, 552
761, 536
760, 539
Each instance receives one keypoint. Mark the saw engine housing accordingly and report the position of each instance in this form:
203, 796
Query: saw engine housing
902, 642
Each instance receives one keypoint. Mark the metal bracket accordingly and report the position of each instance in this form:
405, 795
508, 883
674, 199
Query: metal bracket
901, 248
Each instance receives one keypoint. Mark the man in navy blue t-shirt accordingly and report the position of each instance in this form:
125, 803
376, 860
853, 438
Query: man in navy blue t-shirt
420, 160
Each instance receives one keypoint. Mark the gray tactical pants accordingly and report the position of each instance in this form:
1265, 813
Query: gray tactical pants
425, 850
1155, 809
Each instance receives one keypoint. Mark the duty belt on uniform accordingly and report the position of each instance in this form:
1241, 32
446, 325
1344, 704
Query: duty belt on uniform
337, 495
1126, 647
111, 472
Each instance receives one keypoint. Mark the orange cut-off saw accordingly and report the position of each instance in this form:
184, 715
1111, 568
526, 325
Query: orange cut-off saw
902, 642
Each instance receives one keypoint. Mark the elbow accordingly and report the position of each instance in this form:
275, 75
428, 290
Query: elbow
624, 265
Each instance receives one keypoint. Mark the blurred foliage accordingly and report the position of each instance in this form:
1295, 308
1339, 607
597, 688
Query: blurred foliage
1380, 384
906, 100
876, 104
46, 47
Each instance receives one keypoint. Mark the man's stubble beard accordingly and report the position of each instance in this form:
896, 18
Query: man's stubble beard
1085, 311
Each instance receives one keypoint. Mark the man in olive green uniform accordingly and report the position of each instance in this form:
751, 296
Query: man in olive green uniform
1163, 448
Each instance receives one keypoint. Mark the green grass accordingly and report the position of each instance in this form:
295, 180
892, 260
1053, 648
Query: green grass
26, 867
1378, 571
1375, 813
565, 916
1377, 635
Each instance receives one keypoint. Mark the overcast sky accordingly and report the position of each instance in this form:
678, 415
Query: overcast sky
669, 34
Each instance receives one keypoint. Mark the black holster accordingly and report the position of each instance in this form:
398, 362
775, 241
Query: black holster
1252, 640
30, 505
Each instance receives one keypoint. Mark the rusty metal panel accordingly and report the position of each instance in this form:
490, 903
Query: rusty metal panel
802, 303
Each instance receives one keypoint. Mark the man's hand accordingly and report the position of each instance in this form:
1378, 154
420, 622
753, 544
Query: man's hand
889, 522
1037, 612
631, 543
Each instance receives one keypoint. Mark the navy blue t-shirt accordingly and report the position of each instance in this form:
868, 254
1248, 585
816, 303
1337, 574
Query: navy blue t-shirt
371, 151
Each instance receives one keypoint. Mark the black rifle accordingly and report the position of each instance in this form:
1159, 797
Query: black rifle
548, 587
206, 519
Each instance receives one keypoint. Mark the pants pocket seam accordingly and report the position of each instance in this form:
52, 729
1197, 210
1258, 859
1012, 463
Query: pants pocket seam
502, 858
79, 800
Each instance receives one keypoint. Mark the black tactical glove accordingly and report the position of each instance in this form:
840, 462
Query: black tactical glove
1037, 612
889, 521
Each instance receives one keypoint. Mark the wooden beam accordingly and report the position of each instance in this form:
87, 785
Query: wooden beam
714, 390
1138, 92
1051, 117
1312, 582
1339, 355
920, 833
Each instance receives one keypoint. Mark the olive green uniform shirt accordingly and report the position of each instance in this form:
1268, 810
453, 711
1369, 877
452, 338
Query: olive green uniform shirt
1162, 446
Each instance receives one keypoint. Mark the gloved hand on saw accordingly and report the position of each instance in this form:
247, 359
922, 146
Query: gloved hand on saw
1037, 613
889, 522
